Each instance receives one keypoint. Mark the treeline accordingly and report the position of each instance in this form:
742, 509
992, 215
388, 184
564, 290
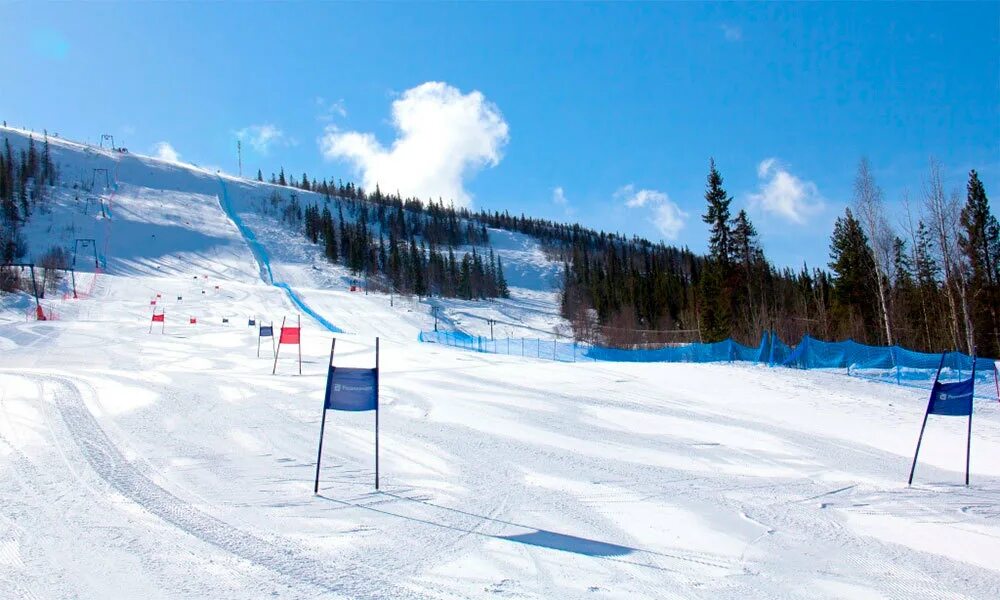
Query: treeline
400, 246
932, 285
24, 181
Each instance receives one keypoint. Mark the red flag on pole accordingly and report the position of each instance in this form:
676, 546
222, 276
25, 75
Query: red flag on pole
157, 318
289, 335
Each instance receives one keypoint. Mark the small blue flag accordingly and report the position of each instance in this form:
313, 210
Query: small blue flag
952, 399
251, 323
351, 389
266, 331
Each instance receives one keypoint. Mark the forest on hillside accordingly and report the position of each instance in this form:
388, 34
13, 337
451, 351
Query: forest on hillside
931, 284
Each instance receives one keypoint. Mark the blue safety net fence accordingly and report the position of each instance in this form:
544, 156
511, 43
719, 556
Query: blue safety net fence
891, 364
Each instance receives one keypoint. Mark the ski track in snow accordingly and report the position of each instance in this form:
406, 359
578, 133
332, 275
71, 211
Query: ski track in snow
175, 466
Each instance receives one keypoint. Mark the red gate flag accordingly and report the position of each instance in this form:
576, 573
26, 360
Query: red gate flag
152, 302
289, 335
194, 321
158, 318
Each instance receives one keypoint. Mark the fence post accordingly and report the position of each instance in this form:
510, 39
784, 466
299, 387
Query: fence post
895, 361
553, 348
538, 347
522, 346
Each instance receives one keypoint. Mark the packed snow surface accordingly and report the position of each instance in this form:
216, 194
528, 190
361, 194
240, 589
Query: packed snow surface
175, 465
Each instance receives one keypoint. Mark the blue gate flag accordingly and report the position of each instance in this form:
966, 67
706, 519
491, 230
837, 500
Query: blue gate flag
352, 389
952, 399
266, 331
251, 323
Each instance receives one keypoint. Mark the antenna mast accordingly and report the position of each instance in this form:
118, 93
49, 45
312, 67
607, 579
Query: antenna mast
239, 155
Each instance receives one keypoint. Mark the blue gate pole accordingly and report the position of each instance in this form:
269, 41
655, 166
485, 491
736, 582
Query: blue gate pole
927, 412
322, 423
968, 439
376, 413
913, 467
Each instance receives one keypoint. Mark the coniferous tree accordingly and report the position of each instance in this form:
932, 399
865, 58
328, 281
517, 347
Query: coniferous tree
717, 216
851, 262
979, 241
502, 288
715, 298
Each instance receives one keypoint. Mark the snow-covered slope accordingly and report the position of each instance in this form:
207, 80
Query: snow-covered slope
148, 465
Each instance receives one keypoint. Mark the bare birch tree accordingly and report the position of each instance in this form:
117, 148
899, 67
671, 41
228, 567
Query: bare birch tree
942, 214
870, 208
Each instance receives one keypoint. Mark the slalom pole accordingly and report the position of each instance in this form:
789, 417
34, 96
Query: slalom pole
968, 439
275, 369
927, 412
300, 344
376, 413
322, 423
151, 320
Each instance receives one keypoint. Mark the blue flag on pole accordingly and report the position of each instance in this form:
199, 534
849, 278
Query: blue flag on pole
266, 331
351, 389
952, 399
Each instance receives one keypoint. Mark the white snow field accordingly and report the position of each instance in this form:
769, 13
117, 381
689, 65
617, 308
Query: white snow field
175, 465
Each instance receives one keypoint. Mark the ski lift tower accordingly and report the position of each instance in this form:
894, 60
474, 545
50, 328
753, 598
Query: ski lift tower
34, 284
110, 138
85, 243
100, 171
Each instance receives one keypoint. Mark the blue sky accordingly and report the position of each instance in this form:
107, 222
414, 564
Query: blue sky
605, 114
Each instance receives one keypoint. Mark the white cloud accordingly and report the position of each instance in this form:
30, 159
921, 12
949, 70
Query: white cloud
328, 109
732, 33
164, 151
559, 199
443, 137
669, 219
784, 194
666, 215
262, 137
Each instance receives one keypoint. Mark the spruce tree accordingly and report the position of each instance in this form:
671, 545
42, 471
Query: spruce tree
502, 288
715, 299
717, 216
979, 241
852, 264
